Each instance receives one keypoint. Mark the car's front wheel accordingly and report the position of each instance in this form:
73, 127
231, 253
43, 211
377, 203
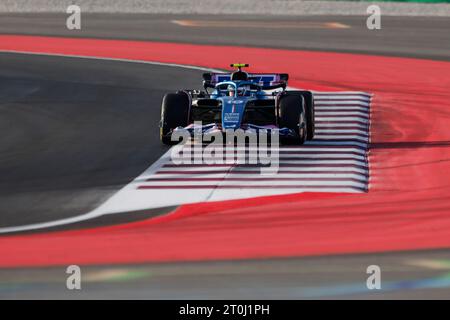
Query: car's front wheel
293, 116
174, 113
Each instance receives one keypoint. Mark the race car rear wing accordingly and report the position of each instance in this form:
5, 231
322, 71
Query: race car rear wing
268, 81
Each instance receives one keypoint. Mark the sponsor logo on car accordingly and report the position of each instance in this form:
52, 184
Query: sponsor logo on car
231, 117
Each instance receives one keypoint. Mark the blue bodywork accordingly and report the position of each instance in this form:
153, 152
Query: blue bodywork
233, 106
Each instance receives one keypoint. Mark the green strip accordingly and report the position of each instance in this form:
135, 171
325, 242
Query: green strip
423, 1
420, 1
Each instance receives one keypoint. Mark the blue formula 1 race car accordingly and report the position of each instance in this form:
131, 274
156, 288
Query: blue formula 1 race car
239, 100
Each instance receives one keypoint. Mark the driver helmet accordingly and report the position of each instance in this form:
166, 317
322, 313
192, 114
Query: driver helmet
231, 90
239, 76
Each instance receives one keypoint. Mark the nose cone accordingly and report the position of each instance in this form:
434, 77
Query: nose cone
232, 111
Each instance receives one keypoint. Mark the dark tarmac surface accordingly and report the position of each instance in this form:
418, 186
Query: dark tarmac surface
76, 130
418, 37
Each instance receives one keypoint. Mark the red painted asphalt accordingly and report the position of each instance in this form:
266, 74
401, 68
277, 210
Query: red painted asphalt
406, 208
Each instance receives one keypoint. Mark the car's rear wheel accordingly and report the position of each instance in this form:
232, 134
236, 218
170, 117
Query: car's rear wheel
309, 110
175, 111
293, 116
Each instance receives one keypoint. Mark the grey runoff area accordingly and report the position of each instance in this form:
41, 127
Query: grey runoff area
254, 7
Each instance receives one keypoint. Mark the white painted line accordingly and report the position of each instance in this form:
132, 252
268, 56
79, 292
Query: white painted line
336, 143
337, 108
339, 115
308, 148
282, 157
256, 175
341, 137
334, 131
312, 162
342, 104
268, 184
341, 119
258, 170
